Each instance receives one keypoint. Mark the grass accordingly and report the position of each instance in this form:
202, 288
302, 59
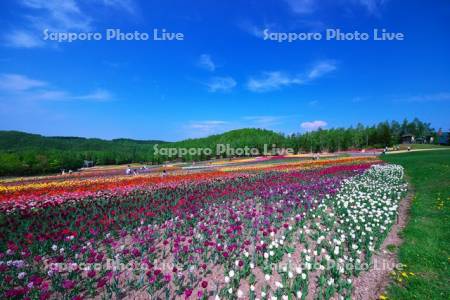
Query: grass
421, 146
391, 248
425, 250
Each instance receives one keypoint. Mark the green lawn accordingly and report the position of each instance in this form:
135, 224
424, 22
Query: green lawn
426, 247
421, 146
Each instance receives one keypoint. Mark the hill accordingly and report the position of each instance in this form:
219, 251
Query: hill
26, 154
20, 141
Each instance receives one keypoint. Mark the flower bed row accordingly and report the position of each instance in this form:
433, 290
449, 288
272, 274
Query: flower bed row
268, 234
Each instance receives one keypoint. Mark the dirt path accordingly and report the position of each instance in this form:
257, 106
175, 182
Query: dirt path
415, 150
371, 284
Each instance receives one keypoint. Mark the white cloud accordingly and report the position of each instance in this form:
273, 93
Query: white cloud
314, 125
274, 80
48, 95
54, 15
23, 39
128, 5
57, 16
357, 99
17, 82
221, 84
205, 128
264, 121
436, 97
302, 6
321, 68
253, 30
18, 86
257, 31
208, 127
206, 62
97, 95
372, 6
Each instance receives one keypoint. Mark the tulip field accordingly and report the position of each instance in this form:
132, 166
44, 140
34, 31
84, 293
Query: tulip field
273, 230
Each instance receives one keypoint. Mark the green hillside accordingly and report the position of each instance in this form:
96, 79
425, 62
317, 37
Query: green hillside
25, 154
19, 141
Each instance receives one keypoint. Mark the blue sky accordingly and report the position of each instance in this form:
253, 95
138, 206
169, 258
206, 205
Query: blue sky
223, 75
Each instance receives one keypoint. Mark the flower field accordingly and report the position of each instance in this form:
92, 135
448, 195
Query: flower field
278, 230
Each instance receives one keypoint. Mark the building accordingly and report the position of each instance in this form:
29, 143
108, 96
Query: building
88, 164
408, 138
412, 139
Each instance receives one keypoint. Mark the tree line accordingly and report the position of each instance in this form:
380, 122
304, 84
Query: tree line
27, 154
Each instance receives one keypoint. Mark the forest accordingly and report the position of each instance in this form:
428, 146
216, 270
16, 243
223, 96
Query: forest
28, 154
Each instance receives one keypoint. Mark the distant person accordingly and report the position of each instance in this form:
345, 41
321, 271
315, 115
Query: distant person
164, 172
409, 148
128, 170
